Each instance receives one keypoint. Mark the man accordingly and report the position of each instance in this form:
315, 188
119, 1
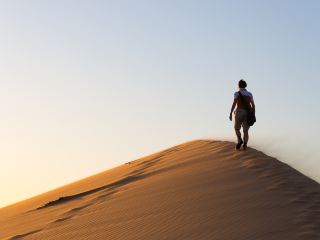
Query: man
241, 113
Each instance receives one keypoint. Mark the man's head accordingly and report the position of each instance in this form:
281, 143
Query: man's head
242, 84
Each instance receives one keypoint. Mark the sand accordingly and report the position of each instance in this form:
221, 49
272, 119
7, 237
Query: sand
197, 190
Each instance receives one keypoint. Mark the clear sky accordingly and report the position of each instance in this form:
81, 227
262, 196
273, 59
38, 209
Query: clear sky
88, 85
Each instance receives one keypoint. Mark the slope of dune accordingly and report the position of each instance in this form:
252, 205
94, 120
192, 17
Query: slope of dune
197, 190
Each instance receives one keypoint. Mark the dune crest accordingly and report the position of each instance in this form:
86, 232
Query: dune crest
197, 190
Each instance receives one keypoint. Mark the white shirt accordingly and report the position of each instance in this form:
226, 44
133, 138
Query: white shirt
244, 92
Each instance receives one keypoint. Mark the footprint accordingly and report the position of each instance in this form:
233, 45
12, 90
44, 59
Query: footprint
76, 209
20, 236
61, 220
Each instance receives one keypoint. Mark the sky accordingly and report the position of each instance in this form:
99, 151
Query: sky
89, 85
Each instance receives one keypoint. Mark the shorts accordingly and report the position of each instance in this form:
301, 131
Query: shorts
240, 119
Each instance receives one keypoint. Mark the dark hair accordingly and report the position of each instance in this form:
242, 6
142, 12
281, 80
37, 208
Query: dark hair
242, 84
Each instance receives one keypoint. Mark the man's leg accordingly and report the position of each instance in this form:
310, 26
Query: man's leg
238, 133
245, 135
237, 127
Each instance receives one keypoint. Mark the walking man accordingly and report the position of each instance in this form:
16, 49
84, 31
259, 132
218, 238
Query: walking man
243, 99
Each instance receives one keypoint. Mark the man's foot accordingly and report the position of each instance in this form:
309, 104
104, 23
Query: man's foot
238, 146
245, 146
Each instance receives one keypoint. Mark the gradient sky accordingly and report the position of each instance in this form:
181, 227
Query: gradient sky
88, 85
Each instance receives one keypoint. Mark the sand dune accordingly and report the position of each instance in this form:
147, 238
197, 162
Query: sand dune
197, 190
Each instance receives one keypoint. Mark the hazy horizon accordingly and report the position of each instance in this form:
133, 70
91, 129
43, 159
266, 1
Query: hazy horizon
89, 85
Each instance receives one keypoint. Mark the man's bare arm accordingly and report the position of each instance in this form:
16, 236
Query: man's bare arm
232, 108
253, 106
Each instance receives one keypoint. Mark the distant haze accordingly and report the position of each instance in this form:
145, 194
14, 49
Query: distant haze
88, 85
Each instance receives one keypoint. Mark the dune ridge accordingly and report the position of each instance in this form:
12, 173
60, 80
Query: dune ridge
201, 189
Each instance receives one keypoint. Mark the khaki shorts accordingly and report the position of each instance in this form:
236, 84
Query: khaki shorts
240, 119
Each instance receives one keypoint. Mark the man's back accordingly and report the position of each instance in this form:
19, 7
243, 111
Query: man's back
247, 96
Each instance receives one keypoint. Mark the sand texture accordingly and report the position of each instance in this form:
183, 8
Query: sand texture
197, 190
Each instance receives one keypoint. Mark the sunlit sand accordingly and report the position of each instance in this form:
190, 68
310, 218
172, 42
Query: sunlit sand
197, 190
